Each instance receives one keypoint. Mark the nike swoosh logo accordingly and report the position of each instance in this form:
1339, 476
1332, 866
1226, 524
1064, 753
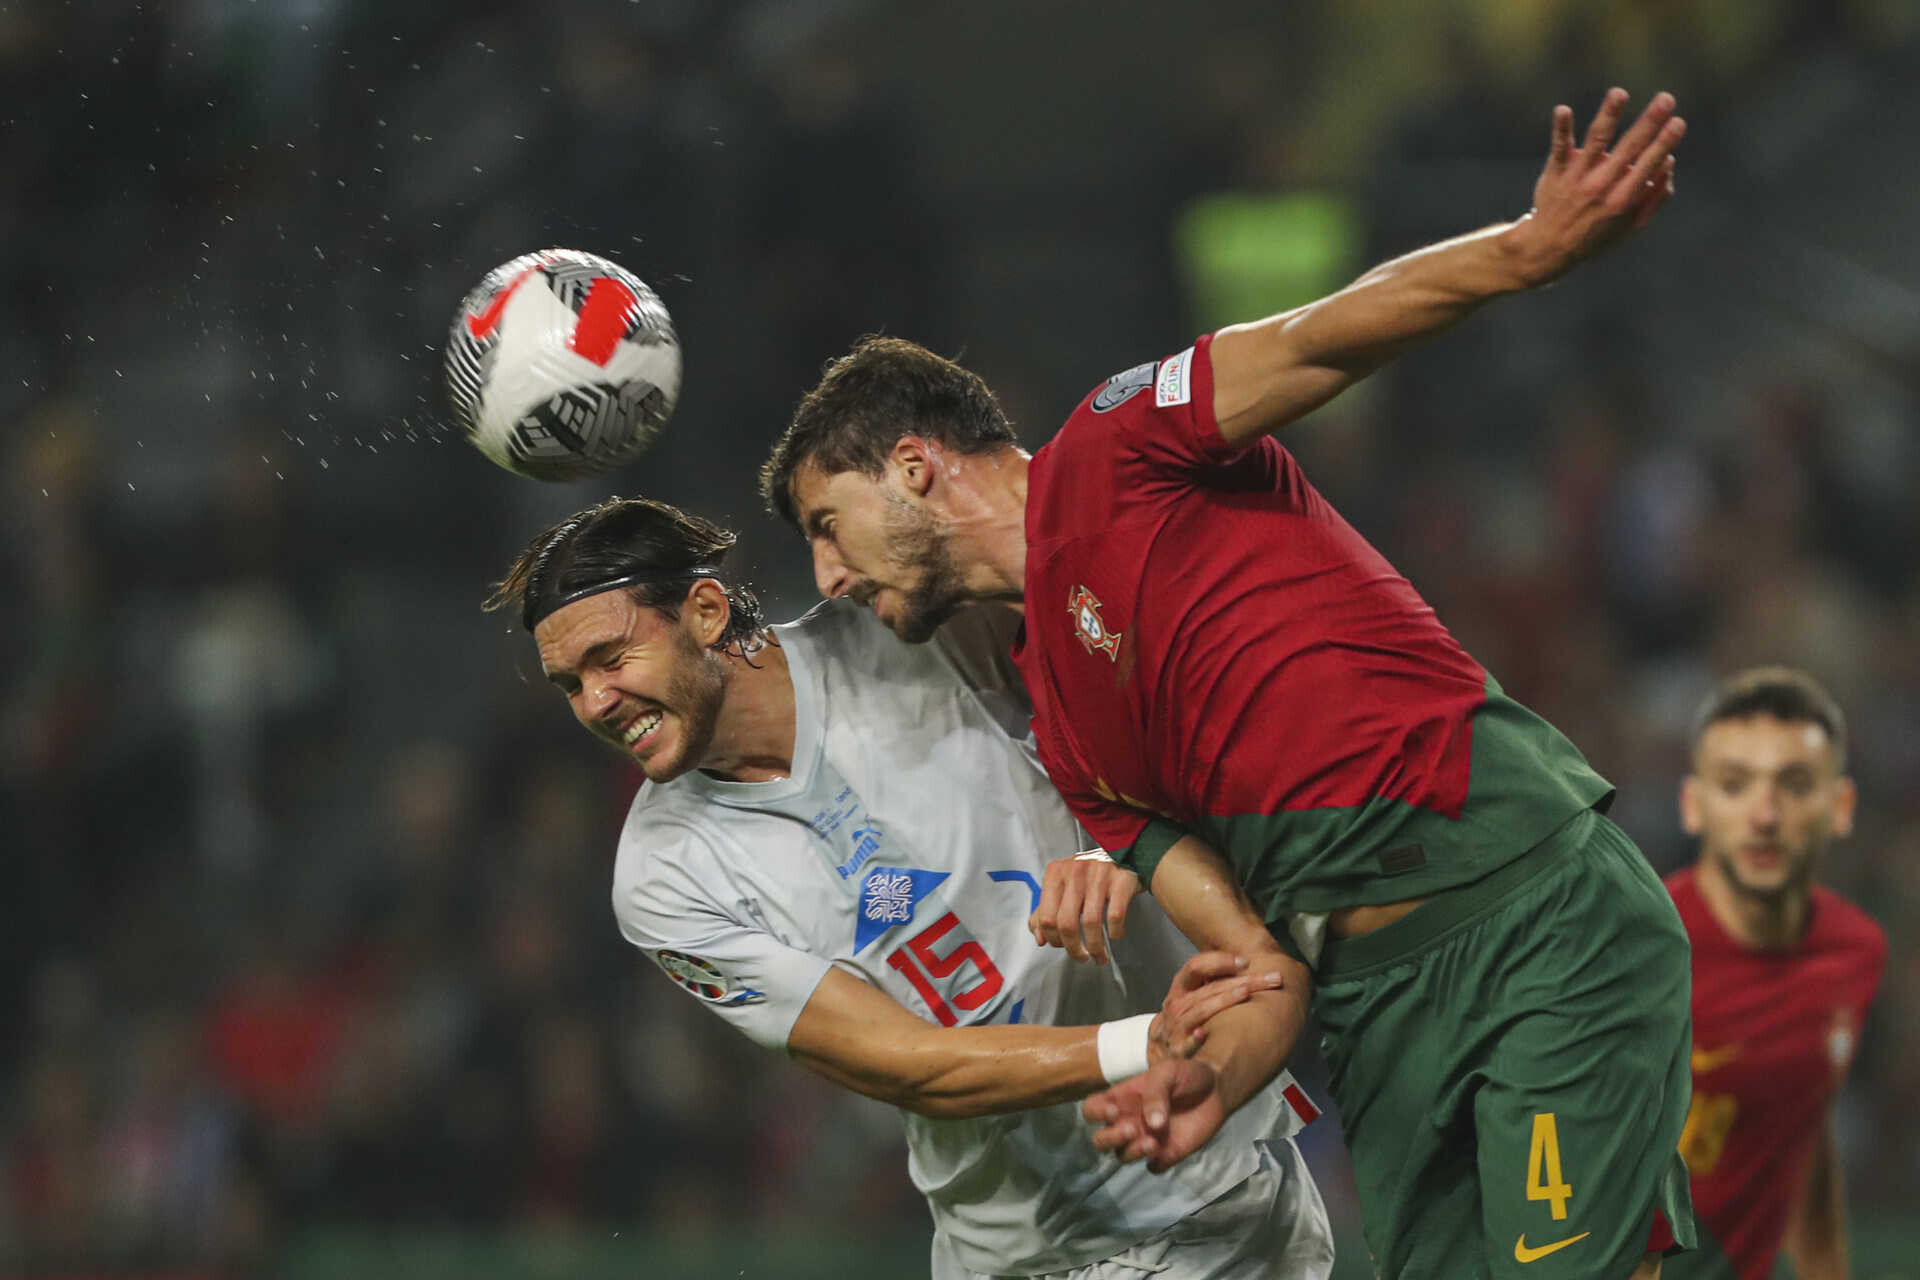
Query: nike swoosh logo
1705, 1061
1523, 1254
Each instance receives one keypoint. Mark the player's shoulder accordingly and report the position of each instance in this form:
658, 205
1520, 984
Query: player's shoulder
824, 623
1683, 888
668, 829
1844, 925
1710, 940
841, 635
1107, 414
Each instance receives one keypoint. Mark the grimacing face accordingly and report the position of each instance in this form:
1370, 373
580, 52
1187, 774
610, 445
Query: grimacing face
1766, 797
639, 681
879, 546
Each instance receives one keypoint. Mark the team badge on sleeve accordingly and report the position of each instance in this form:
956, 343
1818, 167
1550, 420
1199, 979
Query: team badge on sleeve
1122, 387
1084, 609
705, 979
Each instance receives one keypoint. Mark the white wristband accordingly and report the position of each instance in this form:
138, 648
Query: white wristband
1123, 1046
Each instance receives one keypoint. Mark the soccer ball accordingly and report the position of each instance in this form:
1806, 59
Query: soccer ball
561, 364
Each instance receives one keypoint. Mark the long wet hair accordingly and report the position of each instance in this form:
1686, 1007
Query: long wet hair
652, 550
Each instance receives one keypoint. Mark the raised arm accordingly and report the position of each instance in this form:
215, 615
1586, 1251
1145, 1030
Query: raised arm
858, 1036
1267, 373
1179, 1104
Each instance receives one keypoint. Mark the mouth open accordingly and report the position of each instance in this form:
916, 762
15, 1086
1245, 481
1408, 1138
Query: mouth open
642, 731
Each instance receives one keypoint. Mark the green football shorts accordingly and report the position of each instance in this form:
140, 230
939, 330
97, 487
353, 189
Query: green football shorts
1510, 1064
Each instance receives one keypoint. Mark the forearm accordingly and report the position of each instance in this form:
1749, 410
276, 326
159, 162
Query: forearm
1817, 1248
1406, 299
1272, 371
956, 1072
1816, 1236
1248, 1044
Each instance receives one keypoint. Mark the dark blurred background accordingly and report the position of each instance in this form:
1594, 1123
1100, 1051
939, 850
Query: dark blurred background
307, 966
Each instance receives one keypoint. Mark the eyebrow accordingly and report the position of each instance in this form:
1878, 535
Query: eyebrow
1742, 769
595, 653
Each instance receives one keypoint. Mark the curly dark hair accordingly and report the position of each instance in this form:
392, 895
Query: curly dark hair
866, 400
655, 550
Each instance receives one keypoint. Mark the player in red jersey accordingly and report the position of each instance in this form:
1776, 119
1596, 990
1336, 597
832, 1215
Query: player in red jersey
1247, 705
1783, 971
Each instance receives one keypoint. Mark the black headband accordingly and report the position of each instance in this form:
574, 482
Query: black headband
553, 606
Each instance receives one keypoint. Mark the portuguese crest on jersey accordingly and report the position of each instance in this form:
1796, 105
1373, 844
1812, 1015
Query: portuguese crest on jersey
1843, 1036
1084, 608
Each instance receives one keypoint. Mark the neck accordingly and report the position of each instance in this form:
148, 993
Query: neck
988, 522
1762, 922
753, 737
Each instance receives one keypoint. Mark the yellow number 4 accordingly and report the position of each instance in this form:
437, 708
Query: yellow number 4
1543, 1166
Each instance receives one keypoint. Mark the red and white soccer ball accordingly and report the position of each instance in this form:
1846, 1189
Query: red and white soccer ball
561, 364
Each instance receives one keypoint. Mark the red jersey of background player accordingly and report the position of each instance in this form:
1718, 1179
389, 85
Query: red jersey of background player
1211, 648
1774, 1033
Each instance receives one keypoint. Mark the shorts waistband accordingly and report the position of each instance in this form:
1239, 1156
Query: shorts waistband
1450, 909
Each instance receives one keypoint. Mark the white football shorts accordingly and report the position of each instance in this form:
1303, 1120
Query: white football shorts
1272, 1226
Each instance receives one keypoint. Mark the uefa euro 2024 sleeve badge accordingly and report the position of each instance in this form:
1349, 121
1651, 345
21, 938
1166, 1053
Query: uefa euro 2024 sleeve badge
1084, 608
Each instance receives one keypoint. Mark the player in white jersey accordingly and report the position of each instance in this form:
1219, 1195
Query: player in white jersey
838, 848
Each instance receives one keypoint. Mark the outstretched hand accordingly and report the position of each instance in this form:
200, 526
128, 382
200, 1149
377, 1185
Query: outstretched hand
1592, 195
1161, 1117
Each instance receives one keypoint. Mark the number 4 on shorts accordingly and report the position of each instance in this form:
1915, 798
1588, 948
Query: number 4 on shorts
1543, 1166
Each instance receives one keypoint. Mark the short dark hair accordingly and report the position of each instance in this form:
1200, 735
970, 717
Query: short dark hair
1788, 695
866, 400
663, 549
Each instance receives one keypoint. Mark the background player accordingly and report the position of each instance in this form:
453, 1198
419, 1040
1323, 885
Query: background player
836, 829
1783, 971
1219, 662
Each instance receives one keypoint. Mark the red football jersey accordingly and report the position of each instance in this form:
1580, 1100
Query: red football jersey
1774, 1033
1207, 641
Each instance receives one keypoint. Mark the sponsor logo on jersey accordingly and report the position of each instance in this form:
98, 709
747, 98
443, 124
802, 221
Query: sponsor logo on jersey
1521, 1253
1175, 383
846, 824
1122, 387
1084, 608
888, 897
866, 841
1707, 1061
705, 979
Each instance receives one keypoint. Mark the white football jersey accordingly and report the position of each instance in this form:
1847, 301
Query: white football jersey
908, 847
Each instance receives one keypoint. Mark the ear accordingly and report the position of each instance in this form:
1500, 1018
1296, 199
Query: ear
706, 612
914, 460
1845, 793
1691, 821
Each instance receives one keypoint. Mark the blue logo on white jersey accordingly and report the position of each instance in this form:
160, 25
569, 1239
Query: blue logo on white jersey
889, 896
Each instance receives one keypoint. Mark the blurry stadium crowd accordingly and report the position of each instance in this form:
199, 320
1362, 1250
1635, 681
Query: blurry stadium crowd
306, 917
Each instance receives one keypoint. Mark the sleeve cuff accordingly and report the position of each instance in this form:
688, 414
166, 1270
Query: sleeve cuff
1142, 857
